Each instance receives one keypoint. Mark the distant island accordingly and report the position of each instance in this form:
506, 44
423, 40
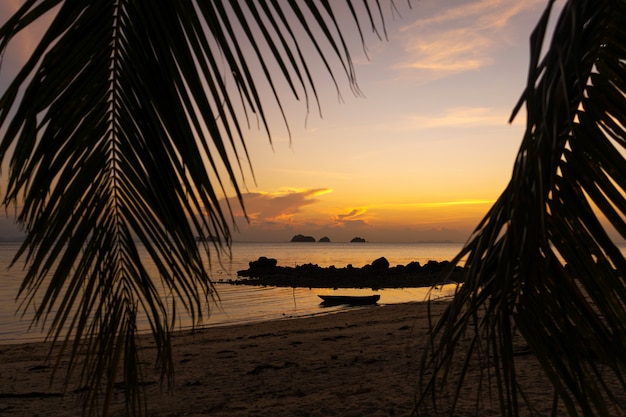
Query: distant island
302, 238
326, 239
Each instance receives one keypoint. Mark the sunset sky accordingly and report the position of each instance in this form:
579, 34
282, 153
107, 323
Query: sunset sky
421, 157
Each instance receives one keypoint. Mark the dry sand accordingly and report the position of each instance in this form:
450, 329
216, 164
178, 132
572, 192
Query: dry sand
363, 362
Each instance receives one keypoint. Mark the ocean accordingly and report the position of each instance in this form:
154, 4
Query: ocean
246, 304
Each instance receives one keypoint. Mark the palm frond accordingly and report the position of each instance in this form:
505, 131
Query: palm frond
128, 124
543, 262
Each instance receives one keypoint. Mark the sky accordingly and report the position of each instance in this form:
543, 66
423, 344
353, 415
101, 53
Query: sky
421, 156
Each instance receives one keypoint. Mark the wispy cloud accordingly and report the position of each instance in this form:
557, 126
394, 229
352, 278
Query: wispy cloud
279, 214
279, 206
461, 117
449, 52
462, 38
453, 117
356, 217
482, 14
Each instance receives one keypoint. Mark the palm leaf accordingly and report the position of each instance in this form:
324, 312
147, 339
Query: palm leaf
543, 262
127, 123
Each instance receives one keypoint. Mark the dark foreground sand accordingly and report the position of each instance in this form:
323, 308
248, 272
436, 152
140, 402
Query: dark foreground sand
358, 363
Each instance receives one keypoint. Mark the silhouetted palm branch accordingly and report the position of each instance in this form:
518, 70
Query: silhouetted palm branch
127, 124
543, 259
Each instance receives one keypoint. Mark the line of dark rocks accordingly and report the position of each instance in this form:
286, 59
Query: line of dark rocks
377, 275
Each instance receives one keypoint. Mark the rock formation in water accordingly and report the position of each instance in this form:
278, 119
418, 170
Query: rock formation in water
324, 239
302, 238
378, 274
358, 240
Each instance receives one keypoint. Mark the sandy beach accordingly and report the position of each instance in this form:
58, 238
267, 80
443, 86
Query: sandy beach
363, 362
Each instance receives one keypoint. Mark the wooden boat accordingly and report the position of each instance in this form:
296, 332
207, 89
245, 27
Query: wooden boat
353, 300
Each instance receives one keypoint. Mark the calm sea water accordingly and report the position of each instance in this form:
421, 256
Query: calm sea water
241, 304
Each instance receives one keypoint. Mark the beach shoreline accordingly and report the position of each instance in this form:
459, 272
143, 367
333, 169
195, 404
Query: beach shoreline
362, 361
